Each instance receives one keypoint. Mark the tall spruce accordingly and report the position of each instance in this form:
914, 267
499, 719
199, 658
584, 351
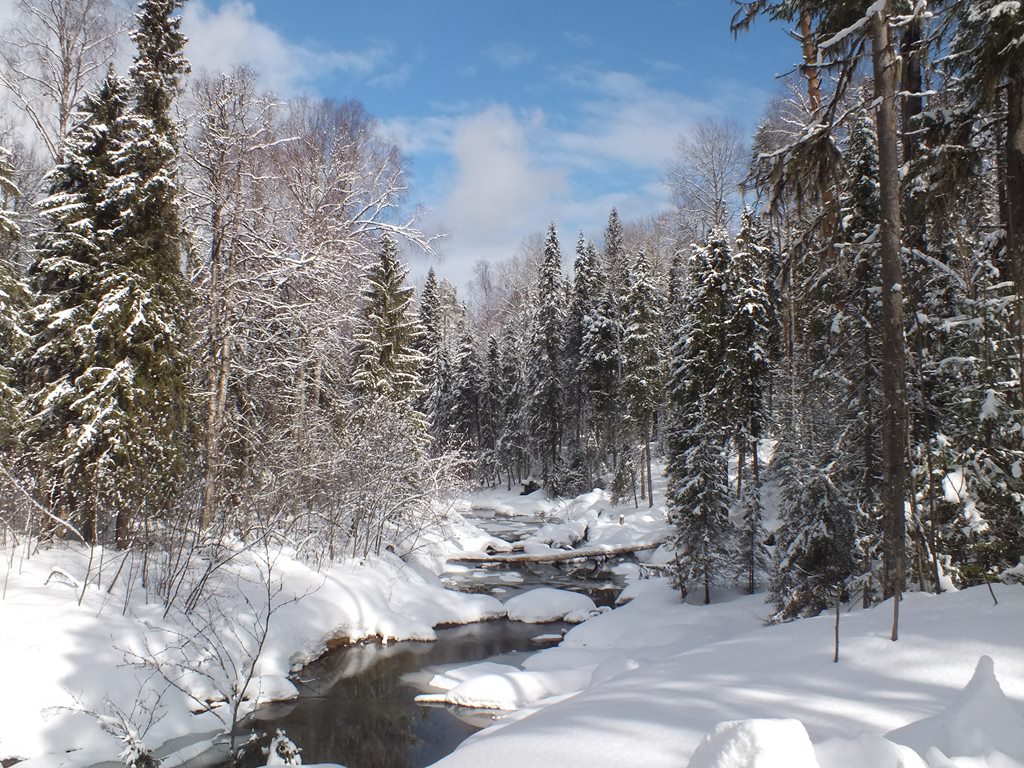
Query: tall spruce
388, 361
698, 493
749, 329
544, 372
13, 306
107, 426
642, 363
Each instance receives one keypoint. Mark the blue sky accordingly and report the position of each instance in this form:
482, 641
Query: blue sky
511, 114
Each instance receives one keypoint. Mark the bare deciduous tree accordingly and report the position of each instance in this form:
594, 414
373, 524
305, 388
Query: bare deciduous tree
53, 52
705, 177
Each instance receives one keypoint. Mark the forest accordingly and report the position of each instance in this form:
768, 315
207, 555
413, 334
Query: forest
209, 329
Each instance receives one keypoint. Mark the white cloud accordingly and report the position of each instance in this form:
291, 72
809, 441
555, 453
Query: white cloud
500, 191
626, 120
231, 35
510, 55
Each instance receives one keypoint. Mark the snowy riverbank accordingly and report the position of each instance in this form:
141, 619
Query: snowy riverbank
659, 675
64, 668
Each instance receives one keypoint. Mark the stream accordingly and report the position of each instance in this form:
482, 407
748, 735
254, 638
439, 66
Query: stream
356, 704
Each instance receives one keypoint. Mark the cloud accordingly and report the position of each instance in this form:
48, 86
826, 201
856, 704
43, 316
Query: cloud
510, 55
499, 191
624, 119
231, 35
395, 78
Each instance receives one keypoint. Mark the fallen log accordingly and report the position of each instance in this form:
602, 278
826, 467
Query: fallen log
559, 555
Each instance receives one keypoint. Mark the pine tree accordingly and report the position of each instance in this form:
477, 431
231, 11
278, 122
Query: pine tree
491, 397
642, 364
698, 504
749, 329
601, 361
696, 438
439, 400
467, 395
581, 310
815, 538
544, 374
430, 314
107, 408
512, 452
616, 260
14, 301
387, 359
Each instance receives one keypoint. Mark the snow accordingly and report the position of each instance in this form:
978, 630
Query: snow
978, 720
755, 744
664, 673
63, 664
546, 604
654, 681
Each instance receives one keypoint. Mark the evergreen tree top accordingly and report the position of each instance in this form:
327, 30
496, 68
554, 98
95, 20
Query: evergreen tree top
160, 63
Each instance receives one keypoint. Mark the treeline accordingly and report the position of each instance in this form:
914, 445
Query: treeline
206, 332
860, 324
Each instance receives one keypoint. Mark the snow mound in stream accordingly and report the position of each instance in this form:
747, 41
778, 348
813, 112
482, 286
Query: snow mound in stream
546, 604
979, 722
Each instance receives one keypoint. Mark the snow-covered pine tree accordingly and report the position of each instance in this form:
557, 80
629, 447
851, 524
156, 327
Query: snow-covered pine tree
616, 260
544, 371
815, 539
13, 305
578, 317
491, 397
642, 363
601, 360
467, 392
439, 400
387, 358
749, 328
698, 498
107, 413
513, 456
696, 436
430, 313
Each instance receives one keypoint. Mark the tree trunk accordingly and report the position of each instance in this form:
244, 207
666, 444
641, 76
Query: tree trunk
754, 531
1014, 149
894, 432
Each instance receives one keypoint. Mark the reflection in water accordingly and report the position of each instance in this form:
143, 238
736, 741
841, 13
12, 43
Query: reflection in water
356, 705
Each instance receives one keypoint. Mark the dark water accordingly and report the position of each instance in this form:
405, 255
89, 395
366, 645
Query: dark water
356, 705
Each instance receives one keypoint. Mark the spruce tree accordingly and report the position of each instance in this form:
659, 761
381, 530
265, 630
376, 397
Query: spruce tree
387, 358
642, 364
601, 361
580, 312
696, 437
544, 374
107, 419
512, 432
749, 328
13, 305
491, 397
467, 395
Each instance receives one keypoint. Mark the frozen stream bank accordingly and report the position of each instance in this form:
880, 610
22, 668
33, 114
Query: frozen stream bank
357, 705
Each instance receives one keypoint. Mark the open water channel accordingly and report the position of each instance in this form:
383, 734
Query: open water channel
357, 705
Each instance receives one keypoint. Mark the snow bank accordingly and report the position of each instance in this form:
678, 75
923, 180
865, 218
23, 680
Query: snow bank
509, 690
663, 674
546, 604
979, 720
756, 744
62, 665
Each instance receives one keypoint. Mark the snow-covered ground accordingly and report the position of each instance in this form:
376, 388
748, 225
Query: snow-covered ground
63, 665
663, 674
654, 681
